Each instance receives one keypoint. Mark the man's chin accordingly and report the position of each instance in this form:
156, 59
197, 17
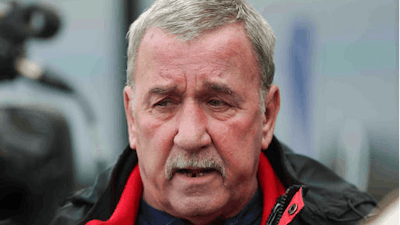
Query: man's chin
199, 209
202, 196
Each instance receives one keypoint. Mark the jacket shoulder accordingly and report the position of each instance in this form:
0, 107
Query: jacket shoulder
98, 201
77, 206
329, 198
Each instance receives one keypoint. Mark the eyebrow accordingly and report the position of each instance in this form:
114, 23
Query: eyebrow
208, 87
218, 87
162, 90
221, 88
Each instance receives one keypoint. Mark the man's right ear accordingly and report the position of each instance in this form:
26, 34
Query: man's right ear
128, 101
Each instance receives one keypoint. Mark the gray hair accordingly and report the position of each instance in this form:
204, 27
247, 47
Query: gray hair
189, 18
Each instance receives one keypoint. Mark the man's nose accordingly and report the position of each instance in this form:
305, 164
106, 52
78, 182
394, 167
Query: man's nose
192, 125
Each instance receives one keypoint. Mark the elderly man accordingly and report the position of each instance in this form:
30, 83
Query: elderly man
201, 110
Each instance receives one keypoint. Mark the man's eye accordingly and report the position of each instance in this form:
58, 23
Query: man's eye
215, 102
163, 103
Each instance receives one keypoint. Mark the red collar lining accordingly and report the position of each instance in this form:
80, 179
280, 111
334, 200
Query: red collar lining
271, 186
128, 205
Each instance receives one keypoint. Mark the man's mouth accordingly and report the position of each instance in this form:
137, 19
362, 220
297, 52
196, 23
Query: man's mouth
195, 172
193, 167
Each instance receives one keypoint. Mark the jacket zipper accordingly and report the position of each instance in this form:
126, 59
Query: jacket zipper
277, 211
281, 204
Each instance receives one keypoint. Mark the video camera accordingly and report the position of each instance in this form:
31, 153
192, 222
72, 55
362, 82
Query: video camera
36, 171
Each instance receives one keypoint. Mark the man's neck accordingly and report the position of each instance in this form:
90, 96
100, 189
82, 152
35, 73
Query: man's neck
250, 214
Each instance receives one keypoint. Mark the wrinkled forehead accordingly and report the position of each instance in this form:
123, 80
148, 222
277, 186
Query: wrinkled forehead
223, 46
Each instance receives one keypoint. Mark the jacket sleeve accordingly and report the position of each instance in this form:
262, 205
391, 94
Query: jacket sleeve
77, 206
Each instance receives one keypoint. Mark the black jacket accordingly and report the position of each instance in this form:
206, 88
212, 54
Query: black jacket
328, 198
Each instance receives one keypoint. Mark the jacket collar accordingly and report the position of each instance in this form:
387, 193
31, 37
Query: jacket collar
291, 169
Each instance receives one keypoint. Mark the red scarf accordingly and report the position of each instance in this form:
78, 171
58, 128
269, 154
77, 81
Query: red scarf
128, 205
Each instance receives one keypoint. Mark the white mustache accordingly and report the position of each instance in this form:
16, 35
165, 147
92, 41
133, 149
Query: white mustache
195, 162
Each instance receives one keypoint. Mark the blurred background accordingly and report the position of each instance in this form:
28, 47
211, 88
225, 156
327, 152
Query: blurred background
336, 66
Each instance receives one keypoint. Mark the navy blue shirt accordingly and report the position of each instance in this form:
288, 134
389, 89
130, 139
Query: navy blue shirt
250, 214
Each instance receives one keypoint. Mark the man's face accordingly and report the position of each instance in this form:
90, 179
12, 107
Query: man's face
197, 127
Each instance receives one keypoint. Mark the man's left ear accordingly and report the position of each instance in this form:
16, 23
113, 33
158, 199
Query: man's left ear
128, 95
272, 106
